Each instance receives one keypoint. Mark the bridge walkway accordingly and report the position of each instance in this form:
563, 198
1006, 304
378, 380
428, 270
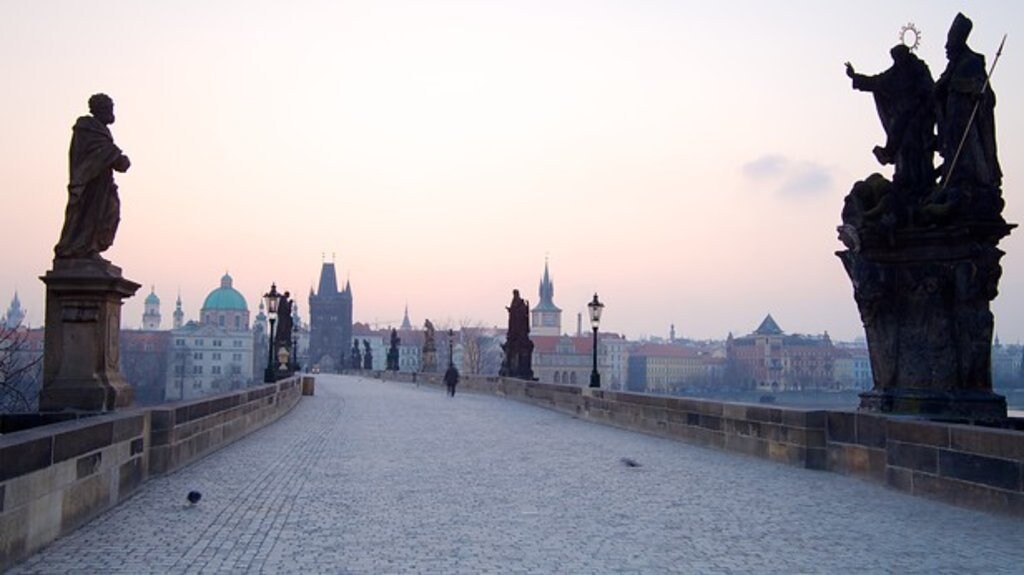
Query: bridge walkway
378, 477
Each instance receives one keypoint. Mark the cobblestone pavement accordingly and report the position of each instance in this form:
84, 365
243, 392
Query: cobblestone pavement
376, 477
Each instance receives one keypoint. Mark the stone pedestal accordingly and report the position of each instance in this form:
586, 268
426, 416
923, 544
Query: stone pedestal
429, 361
923, 296
81, 361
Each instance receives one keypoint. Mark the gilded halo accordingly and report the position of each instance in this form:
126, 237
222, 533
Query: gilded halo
910, 36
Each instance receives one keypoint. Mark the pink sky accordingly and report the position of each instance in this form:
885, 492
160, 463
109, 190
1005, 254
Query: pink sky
688, 162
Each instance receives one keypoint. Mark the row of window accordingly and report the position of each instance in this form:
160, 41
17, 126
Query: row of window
216, 356
180, 342
214, 370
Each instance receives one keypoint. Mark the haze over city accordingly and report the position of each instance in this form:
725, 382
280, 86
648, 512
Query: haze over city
688, 162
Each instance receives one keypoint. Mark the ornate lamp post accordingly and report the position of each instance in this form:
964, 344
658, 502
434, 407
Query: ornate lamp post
595, 319
451, 334
271, 300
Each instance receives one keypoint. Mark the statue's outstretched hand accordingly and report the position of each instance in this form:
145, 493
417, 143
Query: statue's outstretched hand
849, 70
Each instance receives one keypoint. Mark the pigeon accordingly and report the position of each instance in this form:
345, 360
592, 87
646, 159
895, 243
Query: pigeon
194, 497
629, 462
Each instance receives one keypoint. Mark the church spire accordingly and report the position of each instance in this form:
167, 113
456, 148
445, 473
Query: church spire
406, 324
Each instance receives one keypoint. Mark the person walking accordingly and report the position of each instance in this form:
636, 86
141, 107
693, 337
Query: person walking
451, 379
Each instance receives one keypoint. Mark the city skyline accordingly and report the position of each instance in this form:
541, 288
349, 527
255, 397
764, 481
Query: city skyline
686, 162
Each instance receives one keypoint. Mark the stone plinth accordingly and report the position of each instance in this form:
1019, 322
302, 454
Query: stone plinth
81, 361
924, 296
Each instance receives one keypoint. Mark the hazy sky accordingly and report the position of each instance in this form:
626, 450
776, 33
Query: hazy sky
687, 161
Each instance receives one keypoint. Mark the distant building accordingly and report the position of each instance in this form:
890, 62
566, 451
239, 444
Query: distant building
145, 360
668, 368
569, 359
546, 318
15, 315
1006, 365
852, 368
378, 339
330, 323
215, 354
179, 315
151, 311
769, 359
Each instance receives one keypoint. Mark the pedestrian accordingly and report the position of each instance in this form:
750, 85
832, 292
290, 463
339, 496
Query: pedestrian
451, 379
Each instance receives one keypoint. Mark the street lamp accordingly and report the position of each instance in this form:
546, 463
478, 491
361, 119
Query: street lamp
271, 299
595, 319
451, 334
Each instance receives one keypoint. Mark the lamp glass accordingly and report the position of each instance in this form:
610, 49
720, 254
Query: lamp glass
272, 298
595, 308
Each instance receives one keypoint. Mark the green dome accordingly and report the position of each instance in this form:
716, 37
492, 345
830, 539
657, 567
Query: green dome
225, 297
151, 299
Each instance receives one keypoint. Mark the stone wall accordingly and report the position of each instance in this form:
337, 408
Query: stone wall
56, 476
966, 465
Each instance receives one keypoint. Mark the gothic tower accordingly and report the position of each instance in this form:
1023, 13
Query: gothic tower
546, 317
15, 315
330, 322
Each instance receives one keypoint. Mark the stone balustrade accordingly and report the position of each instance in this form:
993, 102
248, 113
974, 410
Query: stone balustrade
966, 465
59, 470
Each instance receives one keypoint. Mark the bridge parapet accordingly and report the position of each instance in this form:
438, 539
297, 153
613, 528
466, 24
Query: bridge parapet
58, 475
966, 465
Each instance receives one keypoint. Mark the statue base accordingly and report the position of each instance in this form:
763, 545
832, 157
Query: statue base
963, 406
81, 358
923, 296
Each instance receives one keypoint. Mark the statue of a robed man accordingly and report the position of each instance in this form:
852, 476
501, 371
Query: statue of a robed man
94, 209
84, 292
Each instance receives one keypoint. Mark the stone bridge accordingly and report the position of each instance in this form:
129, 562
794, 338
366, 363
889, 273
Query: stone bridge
374, 476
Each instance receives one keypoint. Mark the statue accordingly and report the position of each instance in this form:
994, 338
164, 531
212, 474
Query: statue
283, 336
922, 255
965, 105
93, 209
81, 359
393, 351
429, 348
517, 347
963, 86
903, 97
367, 355
355, 358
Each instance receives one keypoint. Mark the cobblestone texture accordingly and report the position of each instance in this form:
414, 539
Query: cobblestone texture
376, 477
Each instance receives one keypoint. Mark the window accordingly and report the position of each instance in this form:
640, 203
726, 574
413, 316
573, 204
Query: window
216, 356
220, 320
238, 322
215, 370
217, 343
197, 355
199, 342
197, 369
236, 357
238, 343
179, 342
236, 369
179, 369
